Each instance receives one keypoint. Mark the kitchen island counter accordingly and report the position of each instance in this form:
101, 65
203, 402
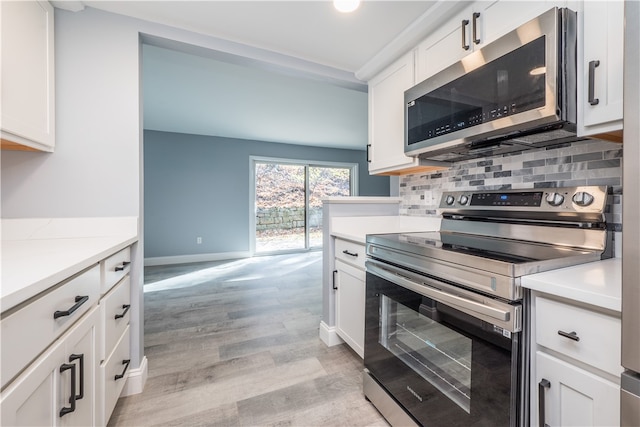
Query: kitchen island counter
356, 228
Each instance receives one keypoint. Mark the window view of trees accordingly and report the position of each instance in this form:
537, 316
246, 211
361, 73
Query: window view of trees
282, 205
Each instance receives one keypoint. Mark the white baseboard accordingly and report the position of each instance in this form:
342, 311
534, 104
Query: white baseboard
328, 335
186, 259
136, 379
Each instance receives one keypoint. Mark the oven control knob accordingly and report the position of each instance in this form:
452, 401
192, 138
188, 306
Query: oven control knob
463, 200
450, 200
555, 199
582, 198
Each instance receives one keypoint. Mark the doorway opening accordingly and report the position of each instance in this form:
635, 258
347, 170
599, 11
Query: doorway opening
287, 201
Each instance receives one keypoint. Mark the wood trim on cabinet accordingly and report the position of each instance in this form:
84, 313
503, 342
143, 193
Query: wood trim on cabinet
5, 144
613, 136
412, 170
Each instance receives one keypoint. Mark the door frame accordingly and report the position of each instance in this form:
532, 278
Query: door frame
353, 172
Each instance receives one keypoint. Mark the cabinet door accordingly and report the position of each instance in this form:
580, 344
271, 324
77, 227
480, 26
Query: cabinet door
81, 346
31, 399
27, 74
386, 117
497, 18
574, 397
350, 296
602, 35
38, 395
445, 46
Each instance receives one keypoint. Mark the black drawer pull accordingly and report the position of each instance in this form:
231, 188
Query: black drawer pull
79, 357
126, 308
122, 266
592, 77
571, 335
126, 366
78, 302
335, 288
346, 252
72, 399
542, 385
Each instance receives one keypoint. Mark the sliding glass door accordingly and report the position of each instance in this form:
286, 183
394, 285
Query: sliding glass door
288, 201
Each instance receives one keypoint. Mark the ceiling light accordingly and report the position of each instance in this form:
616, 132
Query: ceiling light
538, 71
346, 6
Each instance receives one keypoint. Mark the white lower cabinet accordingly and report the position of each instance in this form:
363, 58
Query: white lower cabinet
66, 353
571, 396
575, 364
59, 388
113, 375
114, 347
350, 295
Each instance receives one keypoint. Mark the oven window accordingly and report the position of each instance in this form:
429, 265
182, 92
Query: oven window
437, 353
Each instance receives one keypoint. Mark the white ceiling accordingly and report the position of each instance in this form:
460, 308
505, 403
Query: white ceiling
208, 95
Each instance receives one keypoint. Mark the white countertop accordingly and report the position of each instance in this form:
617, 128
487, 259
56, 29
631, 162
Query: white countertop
597, 283
356, 228
37, 254
362, 199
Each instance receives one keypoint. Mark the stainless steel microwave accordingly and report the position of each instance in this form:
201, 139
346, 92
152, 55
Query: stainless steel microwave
516, 93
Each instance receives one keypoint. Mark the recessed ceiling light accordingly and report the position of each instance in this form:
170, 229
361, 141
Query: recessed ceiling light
538, 71
346, 6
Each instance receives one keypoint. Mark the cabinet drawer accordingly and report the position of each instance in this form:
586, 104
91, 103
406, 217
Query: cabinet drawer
114, 309
114, 268
598, 334
114, 372
32, 328
350, 252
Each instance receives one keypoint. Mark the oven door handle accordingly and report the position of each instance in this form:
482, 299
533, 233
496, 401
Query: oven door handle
424, 288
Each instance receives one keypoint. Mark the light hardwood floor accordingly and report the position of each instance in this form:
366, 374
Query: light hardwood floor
236, 344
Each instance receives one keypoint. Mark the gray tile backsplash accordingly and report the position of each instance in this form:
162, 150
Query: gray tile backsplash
593, 162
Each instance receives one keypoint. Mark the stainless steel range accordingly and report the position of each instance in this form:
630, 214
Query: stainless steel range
446, 318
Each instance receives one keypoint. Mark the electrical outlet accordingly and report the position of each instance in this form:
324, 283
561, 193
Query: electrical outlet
199, 240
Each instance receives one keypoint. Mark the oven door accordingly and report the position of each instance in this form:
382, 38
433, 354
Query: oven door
448, 356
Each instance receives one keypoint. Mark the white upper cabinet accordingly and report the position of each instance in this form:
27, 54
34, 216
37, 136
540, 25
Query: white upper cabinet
448, 44
385, 152
386, 116
472, 28
600, 64
27, 79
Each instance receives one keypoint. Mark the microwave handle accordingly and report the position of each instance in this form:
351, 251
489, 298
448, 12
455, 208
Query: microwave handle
465, 46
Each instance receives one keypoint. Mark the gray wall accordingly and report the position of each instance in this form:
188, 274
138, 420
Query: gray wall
199, 186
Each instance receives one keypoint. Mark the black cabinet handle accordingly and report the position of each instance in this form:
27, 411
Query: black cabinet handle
126, 308
78, 302
476, 15
72, 399
542, 386
335, 288
592, 77
571, 335
368, 156
123, 265
465, 46
126, 365
79, 357
346, 252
